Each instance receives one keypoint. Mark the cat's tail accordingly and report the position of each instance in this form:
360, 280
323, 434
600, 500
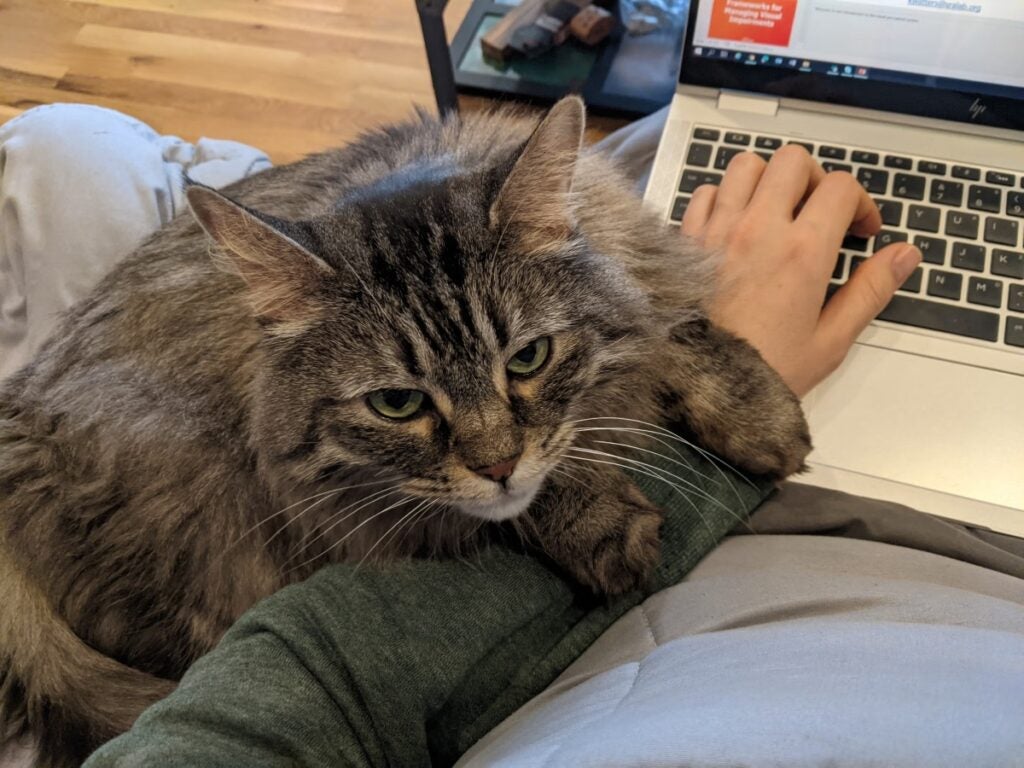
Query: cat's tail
54, 688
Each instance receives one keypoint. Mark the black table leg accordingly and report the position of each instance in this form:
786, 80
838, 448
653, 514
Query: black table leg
439, 58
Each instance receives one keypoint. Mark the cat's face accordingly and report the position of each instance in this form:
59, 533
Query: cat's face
432, 332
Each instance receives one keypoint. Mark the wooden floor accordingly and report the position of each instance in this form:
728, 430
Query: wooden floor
289, 76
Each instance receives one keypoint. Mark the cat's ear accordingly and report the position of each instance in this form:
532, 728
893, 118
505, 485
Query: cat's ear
533, 204
281, 274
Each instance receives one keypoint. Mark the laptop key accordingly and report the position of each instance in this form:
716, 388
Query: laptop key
832, 153
725, 154
895, 161
693, 179
707, 134
932, 167
854, 243
888, 237
767, 142
947, 192
892, 212
923, 218
834, 167
932, 248
699, 155
946, 285
855, 262
1016, 302
988, 293
837, 271
805, 144
913, 283
766, 156
959, 224
1015, 204
865, 158
1007, 263
679, 207
969, 256
741, 139
1014, 332
1001, 231
966, 172
985, 199
907, 186
873, 180
1003, 179
949, 318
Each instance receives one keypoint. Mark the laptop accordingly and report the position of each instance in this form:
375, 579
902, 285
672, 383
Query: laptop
923, 101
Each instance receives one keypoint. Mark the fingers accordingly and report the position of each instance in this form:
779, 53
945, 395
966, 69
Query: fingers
840, 204
791, 176
863, 296
698, 212
741, 179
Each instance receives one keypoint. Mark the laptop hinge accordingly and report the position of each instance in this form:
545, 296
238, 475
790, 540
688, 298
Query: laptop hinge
748, 102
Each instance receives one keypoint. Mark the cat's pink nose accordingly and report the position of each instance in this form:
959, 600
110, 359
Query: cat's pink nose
499, 472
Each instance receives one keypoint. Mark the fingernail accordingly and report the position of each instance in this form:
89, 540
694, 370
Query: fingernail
905, 262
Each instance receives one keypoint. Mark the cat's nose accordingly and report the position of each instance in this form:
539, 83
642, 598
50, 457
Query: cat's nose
499, 472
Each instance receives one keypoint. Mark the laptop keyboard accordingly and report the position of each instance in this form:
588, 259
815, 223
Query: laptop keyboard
966, 220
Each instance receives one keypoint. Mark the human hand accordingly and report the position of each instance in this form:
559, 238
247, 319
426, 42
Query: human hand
779, 227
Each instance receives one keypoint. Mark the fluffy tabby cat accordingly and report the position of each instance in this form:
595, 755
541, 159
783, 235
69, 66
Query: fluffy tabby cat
415, 323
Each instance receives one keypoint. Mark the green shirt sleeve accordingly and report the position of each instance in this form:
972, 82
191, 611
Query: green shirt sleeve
405, 665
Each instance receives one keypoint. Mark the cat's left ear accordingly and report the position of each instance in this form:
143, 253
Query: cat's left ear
281, 274
534, 203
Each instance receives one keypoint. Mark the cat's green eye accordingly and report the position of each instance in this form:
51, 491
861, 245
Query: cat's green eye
397, 403
530, 358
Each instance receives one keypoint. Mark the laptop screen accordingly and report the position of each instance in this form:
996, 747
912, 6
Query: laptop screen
959, 60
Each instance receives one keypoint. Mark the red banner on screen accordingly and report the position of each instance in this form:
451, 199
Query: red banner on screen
769, 22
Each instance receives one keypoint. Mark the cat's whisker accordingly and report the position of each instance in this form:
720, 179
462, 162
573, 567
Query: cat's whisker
327, 494
339, 517
662, 456
376, 494
562, 471
711, 457
667, 482
652, 437
287, 523
394, 528
348, 535
658, 473
637, 464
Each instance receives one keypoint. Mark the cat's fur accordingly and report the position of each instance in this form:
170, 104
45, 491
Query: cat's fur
160, 456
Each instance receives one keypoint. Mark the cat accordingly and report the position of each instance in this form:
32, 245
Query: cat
377, 352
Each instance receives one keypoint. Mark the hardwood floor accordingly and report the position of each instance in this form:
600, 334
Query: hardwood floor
289, 76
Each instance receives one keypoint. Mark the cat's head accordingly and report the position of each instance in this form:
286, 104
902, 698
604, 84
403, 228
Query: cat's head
443, 324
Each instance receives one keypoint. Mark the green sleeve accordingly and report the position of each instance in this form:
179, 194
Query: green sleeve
408, 665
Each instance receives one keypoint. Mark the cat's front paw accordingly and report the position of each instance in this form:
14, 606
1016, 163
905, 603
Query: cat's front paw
777, 443
626, 545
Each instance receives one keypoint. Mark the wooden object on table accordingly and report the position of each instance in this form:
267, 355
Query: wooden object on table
592, 25
495, 43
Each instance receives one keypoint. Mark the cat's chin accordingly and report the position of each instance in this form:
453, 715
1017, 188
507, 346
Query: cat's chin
505, 507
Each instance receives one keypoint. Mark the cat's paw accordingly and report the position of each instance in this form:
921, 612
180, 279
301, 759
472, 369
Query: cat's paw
622, 558
777, 442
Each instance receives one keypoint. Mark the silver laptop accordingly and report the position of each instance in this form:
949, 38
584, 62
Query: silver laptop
924, 102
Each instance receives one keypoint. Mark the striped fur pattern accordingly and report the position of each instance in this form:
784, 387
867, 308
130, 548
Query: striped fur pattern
196, 434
